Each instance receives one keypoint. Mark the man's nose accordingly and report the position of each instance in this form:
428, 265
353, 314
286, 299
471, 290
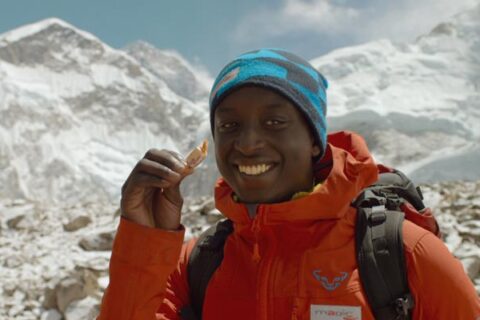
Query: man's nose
249, 140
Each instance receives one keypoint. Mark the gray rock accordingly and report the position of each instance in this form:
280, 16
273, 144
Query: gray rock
9, 289
14, 222
13, 262
49, 297
87, 308
207, 206
213, 216
51, 314
68, 290
77, 223
472, 266
97, 264
98, 241
81, 284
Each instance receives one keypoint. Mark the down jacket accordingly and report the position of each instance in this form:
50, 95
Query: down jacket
272, 262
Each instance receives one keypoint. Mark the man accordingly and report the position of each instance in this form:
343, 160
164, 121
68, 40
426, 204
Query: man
288, 190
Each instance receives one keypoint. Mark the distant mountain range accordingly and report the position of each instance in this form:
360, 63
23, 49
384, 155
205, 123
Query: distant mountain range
76, 114
417, 104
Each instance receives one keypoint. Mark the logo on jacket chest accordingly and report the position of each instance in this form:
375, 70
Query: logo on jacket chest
330, 283
326, 312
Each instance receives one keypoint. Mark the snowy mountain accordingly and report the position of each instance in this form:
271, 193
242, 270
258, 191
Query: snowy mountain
75, 114
184, 79
417, 104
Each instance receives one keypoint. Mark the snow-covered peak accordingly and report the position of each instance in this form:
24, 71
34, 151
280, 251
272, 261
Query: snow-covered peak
75, 114
458, 36
32, 29
465, 25
51, 43
180, 75
429, 77
145, 49
418, 103
49, 27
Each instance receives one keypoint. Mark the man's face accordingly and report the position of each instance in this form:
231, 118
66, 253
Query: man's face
263, 146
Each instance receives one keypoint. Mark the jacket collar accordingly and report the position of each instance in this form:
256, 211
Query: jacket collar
345, 170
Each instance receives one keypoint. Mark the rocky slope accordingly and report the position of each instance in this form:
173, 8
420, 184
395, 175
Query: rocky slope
55, 259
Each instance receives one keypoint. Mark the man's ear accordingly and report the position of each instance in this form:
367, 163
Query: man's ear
315, 150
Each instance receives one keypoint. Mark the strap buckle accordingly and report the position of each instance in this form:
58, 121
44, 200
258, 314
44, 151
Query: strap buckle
403, 305
378, 215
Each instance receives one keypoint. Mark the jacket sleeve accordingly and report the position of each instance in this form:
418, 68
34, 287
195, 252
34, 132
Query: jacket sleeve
441, 288
142, 261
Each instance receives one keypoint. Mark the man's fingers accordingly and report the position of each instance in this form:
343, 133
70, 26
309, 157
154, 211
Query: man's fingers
125, 184
158, 170
177, 156
145, 180
170, 159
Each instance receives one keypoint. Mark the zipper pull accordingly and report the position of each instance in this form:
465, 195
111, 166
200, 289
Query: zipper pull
295, 311
256, 253
256, 250
294, 315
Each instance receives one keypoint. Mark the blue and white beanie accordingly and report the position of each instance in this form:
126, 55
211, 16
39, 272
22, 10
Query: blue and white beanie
284, 72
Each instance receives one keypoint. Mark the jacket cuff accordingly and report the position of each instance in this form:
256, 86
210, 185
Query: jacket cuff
141, 246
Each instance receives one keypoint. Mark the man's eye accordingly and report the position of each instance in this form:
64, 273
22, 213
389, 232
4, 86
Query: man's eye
227, 125
273, 122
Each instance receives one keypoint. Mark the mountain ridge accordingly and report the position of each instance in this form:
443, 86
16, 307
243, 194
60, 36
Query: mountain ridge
76, 114
413, 101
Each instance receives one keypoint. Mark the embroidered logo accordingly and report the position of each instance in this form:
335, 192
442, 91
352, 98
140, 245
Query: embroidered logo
326, 312
328, 284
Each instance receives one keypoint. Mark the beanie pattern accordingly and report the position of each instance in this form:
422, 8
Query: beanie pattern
283, 72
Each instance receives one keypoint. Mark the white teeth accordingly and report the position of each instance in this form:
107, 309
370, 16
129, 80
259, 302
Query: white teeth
254, 170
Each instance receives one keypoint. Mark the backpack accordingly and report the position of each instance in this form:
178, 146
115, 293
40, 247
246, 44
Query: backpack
382, 208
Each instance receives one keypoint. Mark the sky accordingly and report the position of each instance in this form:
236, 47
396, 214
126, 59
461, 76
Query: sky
210, 33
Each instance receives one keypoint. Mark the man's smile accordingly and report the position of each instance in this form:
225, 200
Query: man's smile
254, 170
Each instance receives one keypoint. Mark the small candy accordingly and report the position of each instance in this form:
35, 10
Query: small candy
197, 155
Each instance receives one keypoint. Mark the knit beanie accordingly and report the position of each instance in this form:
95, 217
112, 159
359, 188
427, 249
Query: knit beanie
285, 73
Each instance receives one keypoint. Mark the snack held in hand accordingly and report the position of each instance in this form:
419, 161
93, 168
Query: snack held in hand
197, 155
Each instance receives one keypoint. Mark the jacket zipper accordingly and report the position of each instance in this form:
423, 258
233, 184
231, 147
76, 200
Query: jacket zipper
265, 267
256, 232
295, 311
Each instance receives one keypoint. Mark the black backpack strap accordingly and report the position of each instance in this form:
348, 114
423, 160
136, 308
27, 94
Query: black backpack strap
379, 246
205, 258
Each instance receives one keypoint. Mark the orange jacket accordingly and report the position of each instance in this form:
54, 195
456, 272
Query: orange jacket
273, 263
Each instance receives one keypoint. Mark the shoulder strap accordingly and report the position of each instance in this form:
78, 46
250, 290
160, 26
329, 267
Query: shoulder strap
379, 245
205, 258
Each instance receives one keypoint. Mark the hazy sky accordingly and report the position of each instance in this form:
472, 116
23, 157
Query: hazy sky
211, 32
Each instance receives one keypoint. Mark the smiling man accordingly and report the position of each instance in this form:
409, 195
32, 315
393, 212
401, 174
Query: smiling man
287, 189
257, 134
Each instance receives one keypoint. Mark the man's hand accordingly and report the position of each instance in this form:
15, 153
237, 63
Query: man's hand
151, 195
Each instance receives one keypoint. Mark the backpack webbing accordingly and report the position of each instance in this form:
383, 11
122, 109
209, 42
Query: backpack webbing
379, 249
379, 244
204, 259
381, 262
